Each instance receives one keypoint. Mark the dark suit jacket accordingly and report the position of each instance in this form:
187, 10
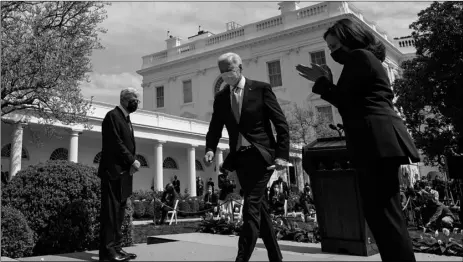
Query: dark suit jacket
259, 107
363, 96
118, 153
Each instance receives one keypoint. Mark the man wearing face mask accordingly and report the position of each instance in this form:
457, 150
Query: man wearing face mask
246, 107
377, 139
117, 165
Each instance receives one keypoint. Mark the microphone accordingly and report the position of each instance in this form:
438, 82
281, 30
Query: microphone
333, 127
340, 126
336, 129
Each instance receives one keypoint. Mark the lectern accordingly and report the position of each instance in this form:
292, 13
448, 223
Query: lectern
336, 194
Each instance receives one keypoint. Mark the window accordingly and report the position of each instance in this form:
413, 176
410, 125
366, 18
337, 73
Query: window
142, 160
274, 73
169, 163
59, 154
187, 92
6, 152
159, 96
97, 158
199, 166
318, 58
325, 113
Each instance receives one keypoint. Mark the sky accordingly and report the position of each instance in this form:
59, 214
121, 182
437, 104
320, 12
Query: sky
135, 29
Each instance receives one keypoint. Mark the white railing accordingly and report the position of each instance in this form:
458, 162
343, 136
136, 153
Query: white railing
225, 36
272, 22
312, 11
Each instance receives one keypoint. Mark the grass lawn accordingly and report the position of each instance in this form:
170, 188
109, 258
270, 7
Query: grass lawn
142, 232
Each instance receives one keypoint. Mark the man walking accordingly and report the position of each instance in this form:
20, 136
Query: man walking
247, 108
117, 165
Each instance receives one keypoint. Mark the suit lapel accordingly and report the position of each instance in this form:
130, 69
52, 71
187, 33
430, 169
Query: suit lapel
127, 125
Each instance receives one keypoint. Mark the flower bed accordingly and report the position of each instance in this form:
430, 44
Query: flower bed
443, 243
285, 229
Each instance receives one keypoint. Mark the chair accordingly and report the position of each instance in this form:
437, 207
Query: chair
173, 213
238, 215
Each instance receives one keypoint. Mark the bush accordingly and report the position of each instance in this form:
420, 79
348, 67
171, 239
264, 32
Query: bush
61, 202
149, 208
183, 208
138, 208
17, 237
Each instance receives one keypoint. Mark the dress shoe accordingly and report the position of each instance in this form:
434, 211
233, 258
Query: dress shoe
114, 258
130, 255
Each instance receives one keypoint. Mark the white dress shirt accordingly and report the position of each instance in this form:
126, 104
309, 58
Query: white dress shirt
239, 95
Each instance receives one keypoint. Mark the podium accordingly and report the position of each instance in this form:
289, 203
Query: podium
336, 194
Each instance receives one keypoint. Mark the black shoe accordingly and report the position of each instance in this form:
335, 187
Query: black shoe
130, 255
114, 257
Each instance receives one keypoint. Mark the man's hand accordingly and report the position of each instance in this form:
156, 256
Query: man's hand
208, 158
136, 164
135, 167
280, 164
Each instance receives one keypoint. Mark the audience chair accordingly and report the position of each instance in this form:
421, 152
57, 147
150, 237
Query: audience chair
173, 213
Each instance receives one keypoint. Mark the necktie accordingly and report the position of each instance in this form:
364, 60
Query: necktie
236, 111
130, 123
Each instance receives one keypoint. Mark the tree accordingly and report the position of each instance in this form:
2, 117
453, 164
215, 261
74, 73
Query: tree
430, 92
46, 49
305, 124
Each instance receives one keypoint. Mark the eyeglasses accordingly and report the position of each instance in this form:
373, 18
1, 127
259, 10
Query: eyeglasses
135, 101
233, 73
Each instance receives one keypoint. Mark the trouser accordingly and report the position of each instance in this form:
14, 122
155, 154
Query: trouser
253, 176
379, 189
111, 215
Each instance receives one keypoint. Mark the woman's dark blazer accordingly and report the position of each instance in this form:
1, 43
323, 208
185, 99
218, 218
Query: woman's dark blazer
363, 96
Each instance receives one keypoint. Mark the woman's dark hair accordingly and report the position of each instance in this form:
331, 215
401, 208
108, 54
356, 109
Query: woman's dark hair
352, 35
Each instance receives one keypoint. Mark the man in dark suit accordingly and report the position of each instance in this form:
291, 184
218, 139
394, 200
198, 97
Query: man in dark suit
176, 184
118, 164
247, 108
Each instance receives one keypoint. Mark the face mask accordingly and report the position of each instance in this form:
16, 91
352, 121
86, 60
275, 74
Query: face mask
339, 56
230, 78
132, 107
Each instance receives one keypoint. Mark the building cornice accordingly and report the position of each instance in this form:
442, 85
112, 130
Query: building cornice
248, 43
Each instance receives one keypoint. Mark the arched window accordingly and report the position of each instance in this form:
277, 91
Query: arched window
59, 154
199, 166
6, 152
142, 160
169, 163
218, 85
97, 158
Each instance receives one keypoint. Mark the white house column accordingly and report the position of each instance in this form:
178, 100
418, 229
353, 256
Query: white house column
192, 169
218, 160
74, 145
158, 160
16, 149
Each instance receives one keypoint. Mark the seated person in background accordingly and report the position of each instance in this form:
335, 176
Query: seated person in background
210, 183
441, 215
169, 196
210, 201
306, 200
431, 191
283, 187
277, 201
226, 188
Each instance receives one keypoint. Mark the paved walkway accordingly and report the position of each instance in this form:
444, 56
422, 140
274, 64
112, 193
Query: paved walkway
208, 247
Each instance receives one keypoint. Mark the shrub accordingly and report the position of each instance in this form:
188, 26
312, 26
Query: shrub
183, 208
17, 237
61, 202
149, 208
138, 208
